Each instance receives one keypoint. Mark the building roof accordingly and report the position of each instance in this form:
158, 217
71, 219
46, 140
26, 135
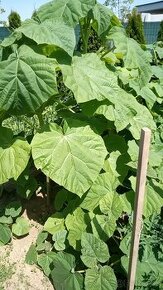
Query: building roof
153, 8
4, 32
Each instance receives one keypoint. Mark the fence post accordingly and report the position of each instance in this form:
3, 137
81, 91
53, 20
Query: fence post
139, 203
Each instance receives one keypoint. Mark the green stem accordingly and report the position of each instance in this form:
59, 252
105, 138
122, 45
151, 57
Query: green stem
106, 52
81, 271
85, 33
112, 264
41, 120
66, 107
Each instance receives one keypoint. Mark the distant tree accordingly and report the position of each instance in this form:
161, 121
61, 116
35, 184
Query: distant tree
2, 11
34, 15
135, 27
14, 20
120, 7
160, 33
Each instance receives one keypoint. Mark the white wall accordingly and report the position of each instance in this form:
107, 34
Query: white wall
147, 17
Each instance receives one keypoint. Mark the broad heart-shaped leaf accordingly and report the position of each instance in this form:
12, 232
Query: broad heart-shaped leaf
116, 163
5, 234
68, 11
21, 227
133, 56
45, 262
55, 223
63, 275
100, 279
13, 209
14, 155
6, 220
76, 225
31, 256
102, 16
53, 32
60, 238
103, 226
72, 157
95, 107
8, 41
153, 197
158, 71
106, 183
93, 250
147, 94
89, 79
42, 236
111, 205
27, 81
142, 119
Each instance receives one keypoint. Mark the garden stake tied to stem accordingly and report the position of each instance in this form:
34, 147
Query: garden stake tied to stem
139, 203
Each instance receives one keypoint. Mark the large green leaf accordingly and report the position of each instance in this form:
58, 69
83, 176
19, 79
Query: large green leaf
95, 107
111, 205
142, 119
103, 17
89, 79
55, 223
103, 226
72, 157
68, 11
76, 225
53, 32
14, 155
133, 56
64, 275
106, 183
147, 94
100, 279
21, 227
93, 250
45, 262
116, 163
13, 37
27, 81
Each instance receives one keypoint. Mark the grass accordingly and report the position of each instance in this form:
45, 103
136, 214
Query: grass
6, 269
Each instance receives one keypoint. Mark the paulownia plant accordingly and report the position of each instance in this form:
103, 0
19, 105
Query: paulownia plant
100, 100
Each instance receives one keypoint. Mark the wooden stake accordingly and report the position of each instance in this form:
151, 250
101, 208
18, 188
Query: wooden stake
139, 204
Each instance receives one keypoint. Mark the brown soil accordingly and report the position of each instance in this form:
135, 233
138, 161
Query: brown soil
15, 274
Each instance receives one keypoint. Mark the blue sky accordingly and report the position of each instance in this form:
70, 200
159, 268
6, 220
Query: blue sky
25, 8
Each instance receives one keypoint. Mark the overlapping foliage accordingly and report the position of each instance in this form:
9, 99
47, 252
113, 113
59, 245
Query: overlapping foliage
100, 101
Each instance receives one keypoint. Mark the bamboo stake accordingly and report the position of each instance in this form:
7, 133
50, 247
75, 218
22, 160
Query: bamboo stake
139, 203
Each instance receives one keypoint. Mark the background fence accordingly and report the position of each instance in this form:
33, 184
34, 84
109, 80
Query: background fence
150, 29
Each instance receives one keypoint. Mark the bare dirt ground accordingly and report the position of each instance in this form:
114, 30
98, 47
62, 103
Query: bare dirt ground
15, 274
